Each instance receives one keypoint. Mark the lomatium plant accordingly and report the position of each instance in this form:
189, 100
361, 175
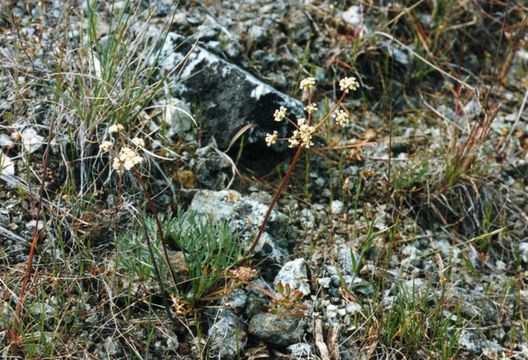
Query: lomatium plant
305, 129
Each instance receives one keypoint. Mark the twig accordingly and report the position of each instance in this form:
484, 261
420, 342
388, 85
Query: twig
12, 235
333, 334
319, 340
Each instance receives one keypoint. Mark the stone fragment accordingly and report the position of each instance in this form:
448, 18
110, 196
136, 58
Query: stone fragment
337, 207
300, 350
523, 249
227, 336
31, 140
277, 330
294, 273
348, 259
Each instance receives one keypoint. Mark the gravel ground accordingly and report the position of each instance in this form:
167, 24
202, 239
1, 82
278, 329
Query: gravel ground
409, 240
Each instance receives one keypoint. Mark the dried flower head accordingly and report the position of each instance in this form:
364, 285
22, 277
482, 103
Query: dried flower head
16, 136
341, 118
307, 84
243, 274
139, 142
280, 114
105, 146
115, 128
311, 108
126, 159
348, 83
271, 138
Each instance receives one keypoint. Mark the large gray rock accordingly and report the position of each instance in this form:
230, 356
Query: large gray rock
277, 330
244, 215
226, 96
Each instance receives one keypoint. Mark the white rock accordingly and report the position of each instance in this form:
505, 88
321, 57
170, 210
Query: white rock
294, 273
337, 207
7, 170
331, 311
5, 141
324, 282
7, 166
348, 259
300, 350
176, 115
353, 15
353, 308
31, 140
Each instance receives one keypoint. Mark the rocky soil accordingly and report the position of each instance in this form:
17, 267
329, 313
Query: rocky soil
401, 236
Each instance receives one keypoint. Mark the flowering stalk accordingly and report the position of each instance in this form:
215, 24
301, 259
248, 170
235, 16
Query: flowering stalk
302, 136
276, 198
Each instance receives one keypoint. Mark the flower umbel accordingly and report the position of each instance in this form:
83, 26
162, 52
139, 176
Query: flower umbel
280, 114
348, 83
341, 118
139, 142
105, 146
307, 84
303, 135
271, 138
115, 128
126, 159
311, 108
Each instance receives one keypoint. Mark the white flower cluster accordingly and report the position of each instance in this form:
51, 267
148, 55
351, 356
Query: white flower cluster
128, 156
105, 146
303, 135
311, 108
139, 142
341, 118
304, 132
271, 138
280, 114
126, 159
115, 128
307, 84
348, 83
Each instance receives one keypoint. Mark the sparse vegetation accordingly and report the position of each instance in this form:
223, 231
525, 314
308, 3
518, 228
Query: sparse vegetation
400, 182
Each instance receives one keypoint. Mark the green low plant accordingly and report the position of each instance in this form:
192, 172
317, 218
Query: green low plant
209, 250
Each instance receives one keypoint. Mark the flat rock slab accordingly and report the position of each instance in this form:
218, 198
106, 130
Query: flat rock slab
224, 96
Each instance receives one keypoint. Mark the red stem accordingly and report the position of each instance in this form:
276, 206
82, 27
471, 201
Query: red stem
13, 334
276, 198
